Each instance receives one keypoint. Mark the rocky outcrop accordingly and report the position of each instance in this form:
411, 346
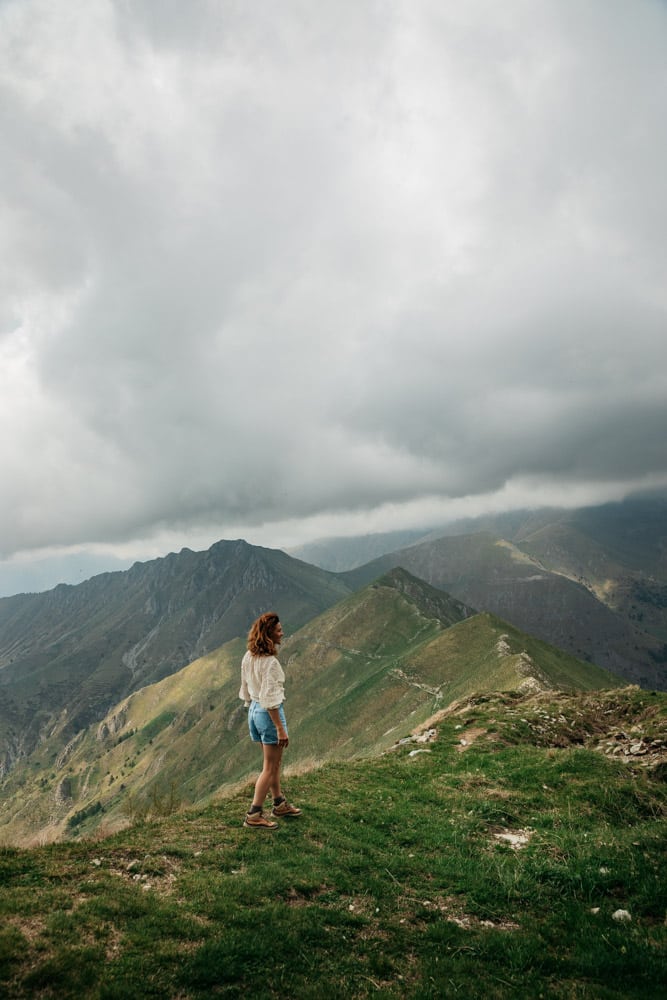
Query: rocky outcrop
112, 725
68, 749
14, 751
636, 746
63, 792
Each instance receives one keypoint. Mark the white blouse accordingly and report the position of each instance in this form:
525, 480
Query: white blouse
262, 680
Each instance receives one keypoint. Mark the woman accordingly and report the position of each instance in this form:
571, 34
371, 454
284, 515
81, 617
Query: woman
262, 690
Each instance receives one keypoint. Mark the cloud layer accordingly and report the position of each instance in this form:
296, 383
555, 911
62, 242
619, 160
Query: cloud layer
269, 262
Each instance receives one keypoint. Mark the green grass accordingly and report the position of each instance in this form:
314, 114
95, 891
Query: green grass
394, 883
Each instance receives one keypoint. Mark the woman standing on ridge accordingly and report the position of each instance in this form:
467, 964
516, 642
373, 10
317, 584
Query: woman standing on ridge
262, 690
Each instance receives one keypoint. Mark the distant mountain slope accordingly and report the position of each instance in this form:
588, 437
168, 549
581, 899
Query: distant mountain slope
495, 575
68, 655
630, 534
341, 554
622, 561
627, 537
359, 677
618, 551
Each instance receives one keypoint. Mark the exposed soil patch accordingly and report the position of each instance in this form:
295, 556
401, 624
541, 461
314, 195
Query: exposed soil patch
469, 737
30, 928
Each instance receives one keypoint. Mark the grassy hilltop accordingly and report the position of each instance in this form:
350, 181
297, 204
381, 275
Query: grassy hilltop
519, 854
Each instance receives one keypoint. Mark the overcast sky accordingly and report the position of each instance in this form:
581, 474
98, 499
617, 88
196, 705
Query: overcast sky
286, 269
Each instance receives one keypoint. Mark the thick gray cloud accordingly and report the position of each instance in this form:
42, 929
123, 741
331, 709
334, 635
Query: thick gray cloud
269, 262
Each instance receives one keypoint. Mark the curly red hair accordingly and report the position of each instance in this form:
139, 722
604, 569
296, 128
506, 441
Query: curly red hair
260, 642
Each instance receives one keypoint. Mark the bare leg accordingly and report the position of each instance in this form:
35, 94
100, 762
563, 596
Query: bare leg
269, 779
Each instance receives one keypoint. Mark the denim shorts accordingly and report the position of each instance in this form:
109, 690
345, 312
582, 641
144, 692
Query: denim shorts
261, 725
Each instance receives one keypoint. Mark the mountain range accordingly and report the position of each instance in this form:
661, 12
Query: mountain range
586, 587
362, 675
592, 581
69, 654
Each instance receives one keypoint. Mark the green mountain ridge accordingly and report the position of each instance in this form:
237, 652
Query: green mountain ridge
616, 551
360, 676
490, 572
